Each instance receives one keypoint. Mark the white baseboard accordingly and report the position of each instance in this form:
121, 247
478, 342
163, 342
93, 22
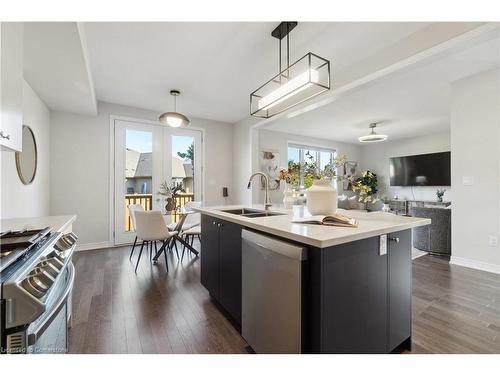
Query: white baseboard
93, 246
471, 263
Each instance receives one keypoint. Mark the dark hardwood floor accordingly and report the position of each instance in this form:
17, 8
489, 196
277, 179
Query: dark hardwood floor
455, 309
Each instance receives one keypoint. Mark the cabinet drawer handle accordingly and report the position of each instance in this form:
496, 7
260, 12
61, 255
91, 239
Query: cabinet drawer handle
395, 239
4, 136
213, 223
219, 225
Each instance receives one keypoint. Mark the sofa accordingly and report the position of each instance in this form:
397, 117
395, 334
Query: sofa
436, 237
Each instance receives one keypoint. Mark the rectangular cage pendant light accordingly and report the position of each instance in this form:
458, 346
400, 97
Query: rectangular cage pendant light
298, 82
303, 80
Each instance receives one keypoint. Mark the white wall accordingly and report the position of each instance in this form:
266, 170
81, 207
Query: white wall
80, 166
375, 157
19, 200
272, 140
475, 143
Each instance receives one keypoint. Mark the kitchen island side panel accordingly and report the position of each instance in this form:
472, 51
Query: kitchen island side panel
349, 295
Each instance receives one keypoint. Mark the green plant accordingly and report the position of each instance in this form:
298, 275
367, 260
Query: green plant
440, 193
366, 187
189, 154
328, 172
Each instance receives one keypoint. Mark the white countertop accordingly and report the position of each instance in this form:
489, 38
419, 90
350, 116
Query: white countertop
57, 223
370, 224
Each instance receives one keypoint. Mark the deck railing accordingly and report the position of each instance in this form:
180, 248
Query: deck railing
146, 200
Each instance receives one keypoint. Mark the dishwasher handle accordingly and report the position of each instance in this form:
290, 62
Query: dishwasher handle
274, 245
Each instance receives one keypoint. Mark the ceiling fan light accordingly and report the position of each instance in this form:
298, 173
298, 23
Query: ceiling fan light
373, 136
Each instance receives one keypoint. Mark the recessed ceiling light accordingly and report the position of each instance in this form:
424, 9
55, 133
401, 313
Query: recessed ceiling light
373, 136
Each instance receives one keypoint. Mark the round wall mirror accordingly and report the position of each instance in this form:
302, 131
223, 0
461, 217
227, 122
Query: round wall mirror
26, 160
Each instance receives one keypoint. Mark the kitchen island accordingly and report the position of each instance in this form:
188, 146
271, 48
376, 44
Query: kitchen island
355, 283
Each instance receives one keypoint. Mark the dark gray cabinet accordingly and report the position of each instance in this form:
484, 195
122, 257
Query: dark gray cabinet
355, 298
399, 281
352, 302
221, 263
360, 299
210, 255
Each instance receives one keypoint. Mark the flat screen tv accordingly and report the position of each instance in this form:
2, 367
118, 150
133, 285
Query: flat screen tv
421, 170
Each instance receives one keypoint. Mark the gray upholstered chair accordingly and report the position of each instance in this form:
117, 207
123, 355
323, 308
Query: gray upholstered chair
436, 237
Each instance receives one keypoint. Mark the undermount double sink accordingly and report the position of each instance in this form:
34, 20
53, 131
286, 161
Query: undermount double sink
251, 213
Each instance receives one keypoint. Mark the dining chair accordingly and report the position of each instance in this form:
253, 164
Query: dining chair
132, 209
150, 228
189, 235
192, 220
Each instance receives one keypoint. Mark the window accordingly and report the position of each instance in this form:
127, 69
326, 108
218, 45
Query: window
309, 157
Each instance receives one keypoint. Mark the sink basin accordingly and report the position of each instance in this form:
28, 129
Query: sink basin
251, 213
242, 211
263, 214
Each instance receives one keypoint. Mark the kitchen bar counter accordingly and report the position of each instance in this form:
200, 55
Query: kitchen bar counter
370, 224
355, 283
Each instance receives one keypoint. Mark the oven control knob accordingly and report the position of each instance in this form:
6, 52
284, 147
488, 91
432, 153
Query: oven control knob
38, 283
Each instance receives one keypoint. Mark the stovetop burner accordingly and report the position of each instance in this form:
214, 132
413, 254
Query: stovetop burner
5, 253
14, 245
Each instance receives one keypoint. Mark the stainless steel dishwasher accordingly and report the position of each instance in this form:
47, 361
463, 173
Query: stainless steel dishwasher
271, 294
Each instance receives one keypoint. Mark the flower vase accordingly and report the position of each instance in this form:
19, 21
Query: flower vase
288, 197
321, 198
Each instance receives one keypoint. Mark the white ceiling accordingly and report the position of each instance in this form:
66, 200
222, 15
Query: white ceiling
215, 65
412, 103
56, 67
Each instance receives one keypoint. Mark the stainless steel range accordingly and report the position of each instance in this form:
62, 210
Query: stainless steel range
35, 292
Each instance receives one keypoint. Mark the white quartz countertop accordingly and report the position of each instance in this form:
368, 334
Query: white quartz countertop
57, 223
370, 224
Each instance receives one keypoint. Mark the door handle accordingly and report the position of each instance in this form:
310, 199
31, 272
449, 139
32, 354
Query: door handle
4, 136
395, 239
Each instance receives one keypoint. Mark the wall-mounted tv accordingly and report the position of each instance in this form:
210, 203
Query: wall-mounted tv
421, 170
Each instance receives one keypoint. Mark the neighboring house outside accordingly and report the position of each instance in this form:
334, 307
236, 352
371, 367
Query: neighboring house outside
138, 172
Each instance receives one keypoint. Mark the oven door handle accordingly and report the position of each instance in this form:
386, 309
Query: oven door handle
44, 324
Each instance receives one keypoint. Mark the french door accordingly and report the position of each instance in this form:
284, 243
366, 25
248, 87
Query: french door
147, 155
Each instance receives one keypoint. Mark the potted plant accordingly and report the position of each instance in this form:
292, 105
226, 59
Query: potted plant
439, 194
169, 192
321, 195
366, 187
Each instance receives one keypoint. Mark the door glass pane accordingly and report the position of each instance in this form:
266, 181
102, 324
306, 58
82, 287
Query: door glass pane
183, 176
138, 172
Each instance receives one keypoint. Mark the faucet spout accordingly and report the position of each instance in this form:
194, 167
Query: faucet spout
267, 199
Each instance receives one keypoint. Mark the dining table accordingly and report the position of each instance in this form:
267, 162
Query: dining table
178, 231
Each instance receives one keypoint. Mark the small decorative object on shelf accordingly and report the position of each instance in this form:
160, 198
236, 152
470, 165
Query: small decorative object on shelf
366, 187
386, 204
439, 194
322, 196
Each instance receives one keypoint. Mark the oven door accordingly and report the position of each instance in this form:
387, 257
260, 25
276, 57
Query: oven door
49, 333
